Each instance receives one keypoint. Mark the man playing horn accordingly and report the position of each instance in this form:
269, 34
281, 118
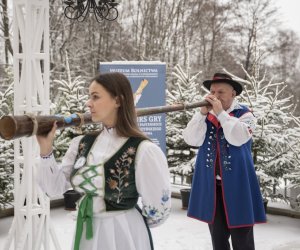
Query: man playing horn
225, 190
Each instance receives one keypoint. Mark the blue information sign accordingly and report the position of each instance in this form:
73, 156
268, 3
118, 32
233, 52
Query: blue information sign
149, 86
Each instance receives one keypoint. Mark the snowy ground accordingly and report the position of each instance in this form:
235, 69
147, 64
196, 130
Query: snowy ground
182, 233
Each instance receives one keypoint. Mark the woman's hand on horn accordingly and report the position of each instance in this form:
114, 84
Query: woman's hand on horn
46, 141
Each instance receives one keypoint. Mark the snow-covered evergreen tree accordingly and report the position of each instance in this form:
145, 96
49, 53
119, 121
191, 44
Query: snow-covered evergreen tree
294, 176
180, 155
6, 173
276, 141
6, 101
71, 99
6, 153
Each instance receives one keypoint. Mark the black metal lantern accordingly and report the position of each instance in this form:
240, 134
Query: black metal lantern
102, 9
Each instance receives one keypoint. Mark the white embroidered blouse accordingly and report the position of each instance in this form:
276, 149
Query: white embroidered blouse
151, 174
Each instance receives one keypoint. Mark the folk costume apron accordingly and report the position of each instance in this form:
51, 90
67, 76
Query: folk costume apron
120, 225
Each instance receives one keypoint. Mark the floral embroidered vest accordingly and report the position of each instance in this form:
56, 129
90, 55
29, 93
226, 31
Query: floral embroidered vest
120, 191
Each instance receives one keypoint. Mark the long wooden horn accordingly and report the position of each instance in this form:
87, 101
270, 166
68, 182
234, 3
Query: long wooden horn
13, 127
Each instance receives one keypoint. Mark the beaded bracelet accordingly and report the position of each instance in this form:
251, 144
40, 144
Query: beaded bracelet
47, 156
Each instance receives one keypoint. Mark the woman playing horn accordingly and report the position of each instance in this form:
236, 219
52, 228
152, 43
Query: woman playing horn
112, 169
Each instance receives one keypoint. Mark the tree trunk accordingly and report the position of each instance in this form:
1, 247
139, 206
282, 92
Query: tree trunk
7, 44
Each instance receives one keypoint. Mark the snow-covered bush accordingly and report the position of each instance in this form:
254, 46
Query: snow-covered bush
276, 140
6, 153
71, 98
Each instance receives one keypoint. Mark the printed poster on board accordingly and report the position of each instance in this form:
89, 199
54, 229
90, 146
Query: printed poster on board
148, 82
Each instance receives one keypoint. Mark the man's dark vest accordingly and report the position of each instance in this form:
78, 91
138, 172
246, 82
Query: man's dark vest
242, 199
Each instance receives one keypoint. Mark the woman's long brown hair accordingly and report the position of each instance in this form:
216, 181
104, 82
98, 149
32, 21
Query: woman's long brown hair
119, 86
